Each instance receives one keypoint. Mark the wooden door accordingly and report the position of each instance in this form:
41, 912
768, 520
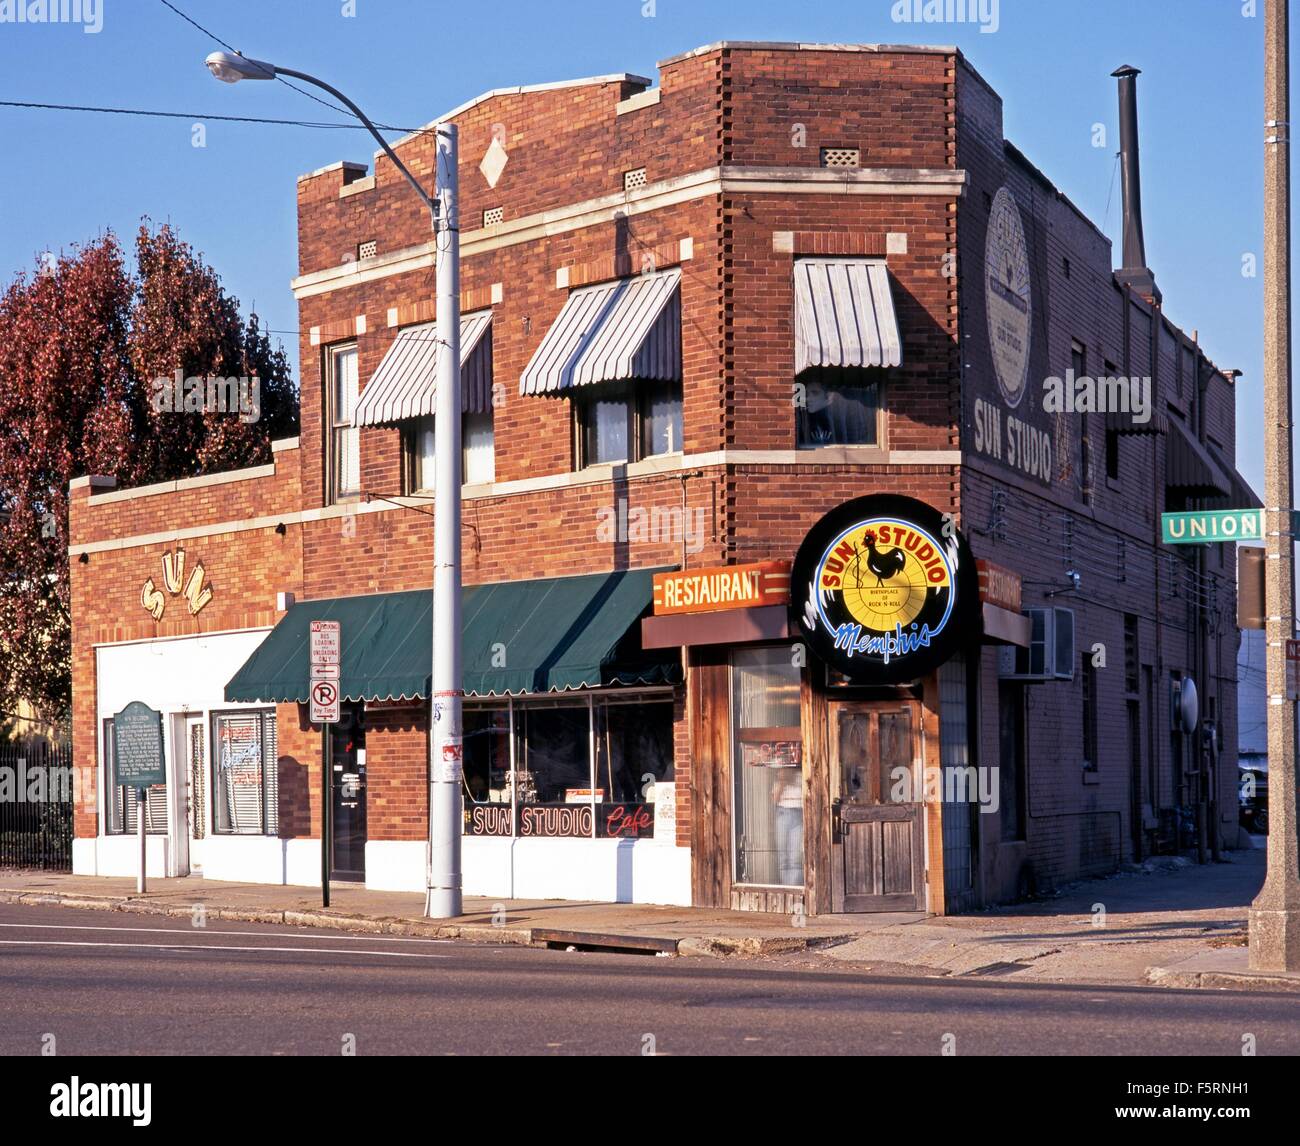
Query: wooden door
877, 799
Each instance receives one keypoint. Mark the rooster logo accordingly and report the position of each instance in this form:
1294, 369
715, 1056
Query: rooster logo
884, 565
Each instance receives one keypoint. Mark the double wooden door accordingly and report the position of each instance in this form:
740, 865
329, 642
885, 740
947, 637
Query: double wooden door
877, 800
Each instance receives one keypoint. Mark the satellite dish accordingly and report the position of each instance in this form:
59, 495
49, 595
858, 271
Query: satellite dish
1188, 705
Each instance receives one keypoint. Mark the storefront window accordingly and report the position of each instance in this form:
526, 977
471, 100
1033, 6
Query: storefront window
767, 760
121, 811
581, 770
245, 800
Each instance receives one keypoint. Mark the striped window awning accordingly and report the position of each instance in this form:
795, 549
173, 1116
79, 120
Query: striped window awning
614, 331
844, 314
405, 385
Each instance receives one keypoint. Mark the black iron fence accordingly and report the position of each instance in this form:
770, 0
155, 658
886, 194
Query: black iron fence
36, 806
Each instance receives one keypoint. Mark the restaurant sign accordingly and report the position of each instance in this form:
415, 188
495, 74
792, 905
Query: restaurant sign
722, 587
885, 589
999, 586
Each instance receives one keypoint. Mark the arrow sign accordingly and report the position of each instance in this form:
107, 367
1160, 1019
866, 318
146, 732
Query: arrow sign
1204, 527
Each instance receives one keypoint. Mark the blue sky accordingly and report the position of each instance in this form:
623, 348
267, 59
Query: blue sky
72, 175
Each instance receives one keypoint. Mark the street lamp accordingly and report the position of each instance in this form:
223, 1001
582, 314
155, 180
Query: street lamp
443, 875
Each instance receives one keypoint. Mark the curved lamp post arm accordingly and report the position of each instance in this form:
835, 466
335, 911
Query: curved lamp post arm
361, 115
231, 67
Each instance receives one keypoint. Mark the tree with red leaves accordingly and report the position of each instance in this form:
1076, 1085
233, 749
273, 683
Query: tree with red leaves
89, 356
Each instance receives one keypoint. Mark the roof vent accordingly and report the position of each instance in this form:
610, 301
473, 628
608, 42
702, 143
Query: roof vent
840, 157
632, 180
367, 250
494, 215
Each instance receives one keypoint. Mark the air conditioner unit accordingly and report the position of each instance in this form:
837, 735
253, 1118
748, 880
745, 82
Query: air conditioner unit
1050, 655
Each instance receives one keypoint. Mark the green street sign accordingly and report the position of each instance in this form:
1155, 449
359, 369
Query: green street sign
138, 746
1204, 527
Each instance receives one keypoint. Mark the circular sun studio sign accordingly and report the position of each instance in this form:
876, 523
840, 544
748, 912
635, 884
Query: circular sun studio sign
886, 590
1007, 296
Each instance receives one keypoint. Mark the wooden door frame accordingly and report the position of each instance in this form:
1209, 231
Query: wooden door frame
833, 782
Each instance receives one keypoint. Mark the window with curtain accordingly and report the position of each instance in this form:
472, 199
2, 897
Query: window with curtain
478, 452
345, 437
838, 408
478, 449
767, 763
628, 423
120, 815
245, 770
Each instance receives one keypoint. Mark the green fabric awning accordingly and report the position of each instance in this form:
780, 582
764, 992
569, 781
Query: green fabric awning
519, 637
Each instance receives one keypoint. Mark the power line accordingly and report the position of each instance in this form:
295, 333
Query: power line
301, 91
180, 115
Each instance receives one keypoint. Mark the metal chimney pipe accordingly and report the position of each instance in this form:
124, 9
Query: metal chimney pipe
1134, 270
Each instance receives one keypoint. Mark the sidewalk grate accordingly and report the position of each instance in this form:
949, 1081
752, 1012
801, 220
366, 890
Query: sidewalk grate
599, 941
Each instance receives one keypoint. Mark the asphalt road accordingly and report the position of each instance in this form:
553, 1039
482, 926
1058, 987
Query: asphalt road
104, 983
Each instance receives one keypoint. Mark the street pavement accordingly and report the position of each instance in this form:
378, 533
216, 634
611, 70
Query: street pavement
118, 984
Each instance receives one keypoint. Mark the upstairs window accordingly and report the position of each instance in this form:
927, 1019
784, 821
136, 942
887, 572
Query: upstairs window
629, 424
344, 446
478, 461
615, 349
846, 341
838, 408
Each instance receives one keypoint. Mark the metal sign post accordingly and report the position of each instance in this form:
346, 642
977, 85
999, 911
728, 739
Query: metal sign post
323, 691
138, 763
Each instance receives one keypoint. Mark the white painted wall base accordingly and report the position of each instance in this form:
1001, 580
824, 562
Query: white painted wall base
120, 855
601, 871
262, 859
239, 859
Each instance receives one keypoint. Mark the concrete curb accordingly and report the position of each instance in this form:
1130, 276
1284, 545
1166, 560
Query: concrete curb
1222, 980
715, 946
521, 936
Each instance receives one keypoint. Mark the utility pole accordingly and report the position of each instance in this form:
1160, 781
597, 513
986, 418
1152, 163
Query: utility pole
443, 875
443, 894
1275, 914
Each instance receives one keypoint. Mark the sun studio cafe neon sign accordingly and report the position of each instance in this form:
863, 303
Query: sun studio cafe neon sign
886, 589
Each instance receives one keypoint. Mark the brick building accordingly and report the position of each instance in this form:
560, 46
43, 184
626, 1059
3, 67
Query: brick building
795, 304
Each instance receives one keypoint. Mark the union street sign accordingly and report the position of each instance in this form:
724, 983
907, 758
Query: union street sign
1204, 527
138, 746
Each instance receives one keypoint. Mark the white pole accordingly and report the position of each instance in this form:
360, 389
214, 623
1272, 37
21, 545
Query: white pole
141, 805
443, 896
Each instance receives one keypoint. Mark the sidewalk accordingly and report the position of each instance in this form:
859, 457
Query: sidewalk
1158, 916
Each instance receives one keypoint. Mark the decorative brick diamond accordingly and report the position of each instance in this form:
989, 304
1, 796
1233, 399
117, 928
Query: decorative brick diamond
494, 162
